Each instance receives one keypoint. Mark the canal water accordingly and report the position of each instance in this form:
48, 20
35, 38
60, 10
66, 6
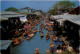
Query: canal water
29, 46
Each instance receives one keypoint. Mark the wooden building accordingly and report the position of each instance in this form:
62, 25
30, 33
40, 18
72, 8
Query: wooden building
70, 23
9, 22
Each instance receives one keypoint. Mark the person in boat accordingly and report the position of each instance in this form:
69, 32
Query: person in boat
13, 41
47, 35
25, 33
53, 38
37, 51
19, 39
42, 34
39, 30
16, 32
51, 47
28, 37
42, 23
16, 42
51, 32
56, 38
41, 27
36, 29
64, 47
47, 51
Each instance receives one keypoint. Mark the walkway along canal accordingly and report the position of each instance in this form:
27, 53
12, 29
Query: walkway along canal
29, 46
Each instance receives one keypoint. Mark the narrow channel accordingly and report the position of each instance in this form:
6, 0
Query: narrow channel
29, 46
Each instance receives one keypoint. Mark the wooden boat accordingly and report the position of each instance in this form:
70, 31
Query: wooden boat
50, 29
37, 51
17, 41
42, 23
40, 27
28, 37
53, 38
47, 51
47, 36
32, 26
39, 30
51, 47
52, 33
42, 34
36, 30
31, 35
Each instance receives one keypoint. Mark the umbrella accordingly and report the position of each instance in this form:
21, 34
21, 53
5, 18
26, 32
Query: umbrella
25, 26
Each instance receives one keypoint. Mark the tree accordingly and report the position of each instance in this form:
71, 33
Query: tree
11, 9
52, 11
63, 6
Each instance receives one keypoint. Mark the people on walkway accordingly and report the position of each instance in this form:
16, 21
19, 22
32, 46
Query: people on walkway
69, 49
58, 49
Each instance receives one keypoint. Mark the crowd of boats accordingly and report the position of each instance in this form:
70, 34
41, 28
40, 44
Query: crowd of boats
29, 30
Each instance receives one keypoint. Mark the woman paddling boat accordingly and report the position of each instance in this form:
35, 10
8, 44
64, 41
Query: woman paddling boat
47, 35
39, 30
37, 51
17, 41
51, 47
42, 34
28, 37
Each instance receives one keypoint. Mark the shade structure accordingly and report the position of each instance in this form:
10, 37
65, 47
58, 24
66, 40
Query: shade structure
25, 26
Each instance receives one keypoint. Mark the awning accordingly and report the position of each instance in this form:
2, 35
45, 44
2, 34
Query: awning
4, 44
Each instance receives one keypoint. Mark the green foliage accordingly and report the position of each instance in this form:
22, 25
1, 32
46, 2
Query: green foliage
64, 4
11, 9
52, 12
62, 7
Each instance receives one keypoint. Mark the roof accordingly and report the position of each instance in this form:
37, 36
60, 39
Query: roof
75, 11
1, 19
73, 18
26, 8
4, 44
9, 14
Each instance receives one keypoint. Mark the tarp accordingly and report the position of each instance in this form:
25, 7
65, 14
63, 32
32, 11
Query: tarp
25, 26
23, 19
4, 44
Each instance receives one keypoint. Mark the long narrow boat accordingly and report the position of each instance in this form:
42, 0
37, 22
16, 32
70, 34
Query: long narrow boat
47, 51
47, 36
28, 37
39, 30
37, 51
31, 35
17, 41
51, 47
53, 38
42, 34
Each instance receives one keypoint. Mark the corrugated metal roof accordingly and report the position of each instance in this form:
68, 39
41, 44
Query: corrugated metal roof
1, 19
72, 18
9, 16
8, 12
4, 44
